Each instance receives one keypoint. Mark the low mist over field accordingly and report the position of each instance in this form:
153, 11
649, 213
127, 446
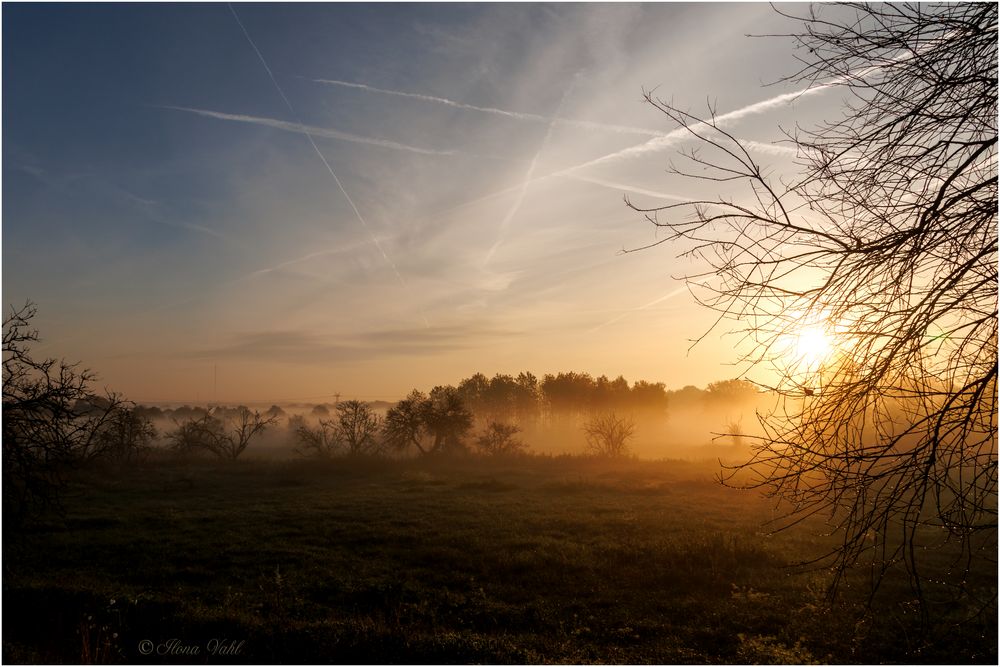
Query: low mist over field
551, 415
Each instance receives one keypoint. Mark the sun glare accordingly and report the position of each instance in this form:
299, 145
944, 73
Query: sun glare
812, 345
807, 345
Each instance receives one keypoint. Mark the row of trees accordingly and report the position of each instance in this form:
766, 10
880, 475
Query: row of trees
481, 414
524, 397
439, 423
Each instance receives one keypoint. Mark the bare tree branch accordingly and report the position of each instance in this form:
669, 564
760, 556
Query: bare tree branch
887, 244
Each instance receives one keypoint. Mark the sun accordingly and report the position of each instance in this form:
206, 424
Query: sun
806, 346
812, 345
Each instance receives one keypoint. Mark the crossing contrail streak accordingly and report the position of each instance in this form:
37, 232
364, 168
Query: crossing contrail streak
299, 128
319, 153
657, 144
519, 115
668, 295
627, 188
527, 180
674, 136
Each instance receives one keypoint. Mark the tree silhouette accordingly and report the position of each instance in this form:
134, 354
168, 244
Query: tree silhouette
447, 419
404, 423
500, 439
359, 428
608, 434
52, 420
224, 433
888, 244
322, 441
127, 435
356, 432
437, 423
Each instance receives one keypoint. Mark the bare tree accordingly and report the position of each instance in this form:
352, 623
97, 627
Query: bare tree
242, 428
322, 441
608, 434
52, 419
886, 246
734, 431
226, 437
195, 435
359, 427
127, 435
500, 439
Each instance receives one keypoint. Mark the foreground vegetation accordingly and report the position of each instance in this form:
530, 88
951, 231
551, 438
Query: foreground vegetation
528, 560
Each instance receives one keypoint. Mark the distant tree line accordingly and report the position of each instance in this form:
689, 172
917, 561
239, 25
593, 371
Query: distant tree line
480, 414
525, 397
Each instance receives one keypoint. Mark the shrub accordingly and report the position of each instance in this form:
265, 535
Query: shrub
608, 434
499, 439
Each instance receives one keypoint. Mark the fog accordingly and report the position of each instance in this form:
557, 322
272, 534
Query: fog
695, 424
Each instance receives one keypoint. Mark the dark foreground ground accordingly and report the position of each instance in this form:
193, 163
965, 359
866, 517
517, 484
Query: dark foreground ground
539, 560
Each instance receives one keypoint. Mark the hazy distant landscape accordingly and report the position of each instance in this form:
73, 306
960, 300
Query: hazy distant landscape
550, 414
503, 333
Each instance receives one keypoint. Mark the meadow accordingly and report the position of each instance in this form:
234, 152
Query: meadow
534, 559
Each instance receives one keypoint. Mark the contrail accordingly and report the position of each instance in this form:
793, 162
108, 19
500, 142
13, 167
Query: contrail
312, 255
652, 303
519, 115
311, 131
657, 144
672, 137
627, 188
770, 149
527, 180
319, 153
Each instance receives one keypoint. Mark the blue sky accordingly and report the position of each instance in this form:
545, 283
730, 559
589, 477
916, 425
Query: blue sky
172, 213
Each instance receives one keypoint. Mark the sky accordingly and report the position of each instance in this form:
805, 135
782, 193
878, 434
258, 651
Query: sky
274, 202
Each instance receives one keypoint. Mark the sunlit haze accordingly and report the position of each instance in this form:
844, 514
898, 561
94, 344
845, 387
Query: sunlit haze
284, 202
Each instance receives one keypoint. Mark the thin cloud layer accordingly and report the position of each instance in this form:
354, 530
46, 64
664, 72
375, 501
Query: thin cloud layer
304, 347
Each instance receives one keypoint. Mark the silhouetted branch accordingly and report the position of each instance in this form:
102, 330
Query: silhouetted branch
888, 244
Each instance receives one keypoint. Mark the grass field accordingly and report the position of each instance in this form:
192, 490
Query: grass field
534, 560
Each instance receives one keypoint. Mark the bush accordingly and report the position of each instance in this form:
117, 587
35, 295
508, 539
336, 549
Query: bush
608, 435
499, 440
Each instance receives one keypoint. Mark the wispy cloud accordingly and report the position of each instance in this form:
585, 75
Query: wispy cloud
37, 172
518, 115
298, 128
294, 346
192, 227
